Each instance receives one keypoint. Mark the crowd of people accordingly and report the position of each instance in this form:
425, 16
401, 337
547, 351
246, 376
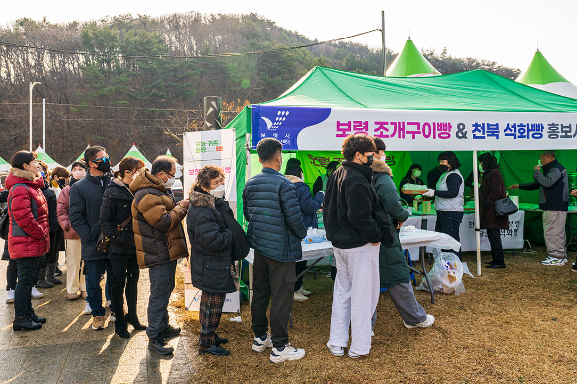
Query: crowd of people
113, 225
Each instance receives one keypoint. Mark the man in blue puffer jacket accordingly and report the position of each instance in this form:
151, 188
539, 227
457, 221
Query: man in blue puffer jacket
275, 232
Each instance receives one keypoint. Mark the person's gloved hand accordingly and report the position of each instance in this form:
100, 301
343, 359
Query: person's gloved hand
419, 198
429, 193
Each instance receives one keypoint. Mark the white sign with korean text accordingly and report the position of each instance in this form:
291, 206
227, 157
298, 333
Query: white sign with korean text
305, 128
216, 147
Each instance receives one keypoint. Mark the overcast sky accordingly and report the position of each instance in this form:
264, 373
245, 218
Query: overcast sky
506, 31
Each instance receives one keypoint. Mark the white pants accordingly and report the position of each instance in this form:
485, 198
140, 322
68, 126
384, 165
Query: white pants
355, 297
74, 277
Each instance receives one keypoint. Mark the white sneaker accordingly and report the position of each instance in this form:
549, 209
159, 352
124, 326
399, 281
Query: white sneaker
300, 297
427, 323
10, 296
303, 291
36, 294
287, 353
337, 351
112, 317
372, 333
87, 309
353, 355
107, 304
554, 261
259, 345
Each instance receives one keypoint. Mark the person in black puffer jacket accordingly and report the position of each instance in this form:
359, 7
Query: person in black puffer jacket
275, 232
211, 255
47, 263
309, 206
115, 210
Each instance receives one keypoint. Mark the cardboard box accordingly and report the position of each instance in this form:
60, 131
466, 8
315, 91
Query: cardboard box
192, 300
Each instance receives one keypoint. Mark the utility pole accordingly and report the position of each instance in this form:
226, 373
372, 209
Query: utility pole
384, 46
32, 84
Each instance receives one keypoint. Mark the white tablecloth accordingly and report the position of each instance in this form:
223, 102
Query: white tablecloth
409, 240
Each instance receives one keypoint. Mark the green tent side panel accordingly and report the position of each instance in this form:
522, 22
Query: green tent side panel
242, 125
3, 162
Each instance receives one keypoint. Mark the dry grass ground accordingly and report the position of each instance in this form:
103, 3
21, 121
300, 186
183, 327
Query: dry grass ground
511, 326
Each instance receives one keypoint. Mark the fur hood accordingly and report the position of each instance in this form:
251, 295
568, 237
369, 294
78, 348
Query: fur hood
199, 199
145, 179
294, 179
380, 166
23, 174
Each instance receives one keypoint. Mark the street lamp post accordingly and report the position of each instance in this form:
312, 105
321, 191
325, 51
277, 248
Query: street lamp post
32, 84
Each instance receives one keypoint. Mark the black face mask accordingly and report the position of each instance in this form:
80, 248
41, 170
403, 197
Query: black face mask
103, 166
369, 161
61, 183
443, 168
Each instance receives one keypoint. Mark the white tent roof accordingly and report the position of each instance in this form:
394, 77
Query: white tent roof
179, 168
47, 159
134, 152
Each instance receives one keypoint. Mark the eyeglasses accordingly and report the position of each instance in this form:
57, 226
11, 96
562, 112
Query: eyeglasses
169, 174
103, 159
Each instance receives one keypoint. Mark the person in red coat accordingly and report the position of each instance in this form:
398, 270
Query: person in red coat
28, 233
492, 189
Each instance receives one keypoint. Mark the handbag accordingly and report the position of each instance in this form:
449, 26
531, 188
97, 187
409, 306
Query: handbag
505, 207
104, 241
241, 247
4, 225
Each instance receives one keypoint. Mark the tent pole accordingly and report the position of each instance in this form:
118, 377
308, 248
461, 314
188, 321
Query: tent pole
384, 46
477, 221
247, 177
44, 130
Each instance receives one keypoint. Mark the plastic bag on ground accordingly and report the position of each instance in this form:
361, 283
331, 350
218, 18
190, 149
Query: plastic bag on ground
446, 276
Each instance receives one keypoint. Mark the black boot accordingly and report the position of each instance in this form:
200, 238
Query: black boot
131, 302
24, 322
50, 269
42, 282
120, 327
34, 317
159, 346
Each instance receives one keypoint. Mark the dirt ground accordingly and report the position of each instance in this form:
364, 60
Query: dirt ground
515, 325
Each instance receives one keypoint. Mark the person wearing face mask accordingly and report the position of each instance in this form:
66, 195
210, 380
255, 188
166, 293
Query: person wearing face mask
160, 241
449, 196
28, 236
85, 201
492, 189
321, 181
413, 176
275, 232
116, 224
211, 259
356, 224
393, 267
309, 206
75, 283
60, 177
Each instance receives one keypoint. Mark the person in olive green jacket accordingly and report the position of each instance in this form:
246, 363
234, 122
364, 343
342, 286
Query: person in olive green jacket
393, 268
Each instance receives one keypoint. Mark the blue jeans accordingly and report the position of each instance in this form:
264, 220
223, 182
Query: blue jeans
94, 271
27, 276
449, 222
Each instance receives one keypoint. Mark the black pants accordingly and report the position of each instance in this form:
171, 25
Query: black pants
12, 274
449, 222
56, 240
494, 236
299, 267
27, 267
125, 274
271, 277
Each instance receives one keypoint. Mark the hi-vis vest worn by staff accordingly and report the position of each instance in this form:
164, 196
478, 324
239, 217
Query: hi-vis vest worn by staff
452, 204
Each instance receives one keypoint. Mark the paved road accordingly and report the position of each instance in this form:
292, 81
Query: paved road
67, 350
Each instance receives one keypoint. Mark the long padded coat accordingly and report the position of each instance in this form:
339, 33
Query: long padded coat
28, 236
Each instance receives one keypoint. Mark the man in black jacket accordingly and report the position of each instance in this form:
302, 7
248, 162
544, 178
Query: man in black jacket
275, 232
85, 202
356, 223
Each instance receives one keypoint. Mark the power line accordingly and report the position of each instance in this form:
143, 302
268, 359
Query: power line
16, 45
114, 107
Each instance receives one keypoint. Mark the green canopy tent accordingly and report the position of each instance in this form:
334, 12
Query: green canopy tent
81, 157
4, 166
134, 152
541, 75
464, 111
47, 159
411, 63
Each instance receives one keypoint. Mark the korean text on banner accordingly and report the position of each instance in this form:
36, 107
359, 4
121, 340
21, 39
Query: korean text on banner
215, 147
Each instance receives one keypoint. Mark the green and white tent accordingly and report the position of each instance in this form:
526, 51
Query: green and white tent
178, 166
81, 157
47, 159
4, 166
411, 63
541, 75
134, 152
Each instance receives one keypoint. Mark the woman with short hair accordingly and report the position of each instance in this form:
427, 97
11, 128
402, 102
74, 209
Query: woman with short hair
114, 213
211, 261
28, 233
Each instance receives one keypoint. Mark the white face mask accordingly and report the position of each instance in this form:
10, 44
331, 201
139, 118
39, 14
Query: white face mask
416, 172
169, 183
78, 174
218, 191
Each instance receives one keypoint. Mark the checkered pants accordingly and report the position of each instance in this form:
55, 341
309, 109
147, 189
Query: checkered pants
210, 312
